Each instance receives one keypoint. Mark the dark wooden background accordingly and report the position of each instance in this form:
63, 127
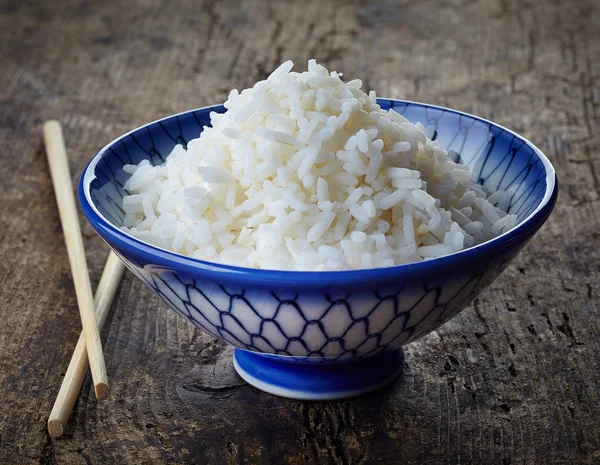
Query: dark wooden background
514, 379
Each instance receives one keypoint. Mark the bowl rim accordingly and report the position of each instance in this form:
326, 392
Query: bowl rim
166, 258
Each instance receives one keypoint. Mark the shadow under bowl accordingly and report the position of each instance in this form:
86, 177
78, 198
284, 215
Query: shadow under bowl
324, 335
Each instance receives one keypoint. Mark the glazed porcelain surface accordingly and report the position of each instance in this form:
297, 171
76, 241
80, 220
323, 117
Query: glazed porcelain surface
340, 320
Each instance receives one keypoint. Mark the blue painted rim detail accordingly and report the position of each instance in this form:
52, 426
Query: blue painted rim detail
318, 381
320, 280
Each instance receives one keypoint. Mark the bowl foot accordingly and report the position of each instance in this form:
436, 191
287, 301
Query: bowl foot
286, 377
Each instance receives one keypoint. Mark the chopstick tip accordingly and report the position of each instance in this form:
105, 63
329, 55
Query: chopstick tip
51, 123
55, 428
102, 391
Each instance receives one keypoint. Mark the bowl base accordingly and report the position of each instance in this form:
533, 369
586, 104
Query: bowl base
287, 377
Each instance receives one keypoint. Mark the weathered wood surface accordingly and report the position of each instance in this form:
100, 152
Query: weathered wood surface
513, 379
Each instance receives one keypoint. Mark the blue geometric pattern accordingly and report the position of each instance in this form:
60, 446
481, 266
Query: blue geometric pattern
333, 328
325, 316
500, 159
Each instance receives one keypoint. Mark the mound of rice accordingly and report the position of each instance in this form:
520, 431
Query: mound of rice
306, 172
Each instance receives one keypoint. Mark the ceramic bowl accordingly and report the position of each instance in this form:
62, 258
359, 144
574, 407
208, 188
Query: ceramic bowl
325, 335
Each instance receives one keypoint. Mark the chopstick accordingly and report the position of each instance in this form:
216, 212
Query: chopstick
71, 385
61, 179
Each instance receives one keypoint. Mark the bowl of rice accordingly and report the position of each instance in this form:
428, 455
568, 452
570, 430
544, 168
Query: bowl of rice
316, 227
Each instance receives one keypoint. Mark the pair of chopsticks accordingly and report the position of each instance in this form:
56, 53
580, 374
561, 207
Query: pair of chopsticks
89, 346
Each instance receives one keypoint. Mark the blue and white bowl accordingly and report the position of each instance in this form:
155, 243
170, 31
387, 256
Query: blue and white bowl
325, 335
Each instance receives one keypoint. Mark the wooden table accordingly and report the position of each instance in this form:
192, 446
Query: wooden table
514, 379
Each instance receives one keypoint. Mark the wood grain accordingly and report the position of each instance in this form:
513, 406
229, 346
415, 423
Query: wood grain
514, 379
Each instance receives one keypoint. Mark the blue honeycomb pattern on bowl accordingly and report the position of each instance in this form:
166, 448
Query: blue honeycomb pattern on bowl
325, 335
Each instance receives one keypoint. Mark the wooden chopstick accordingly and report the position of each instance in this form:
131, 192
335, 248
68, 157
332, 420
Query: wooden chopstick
59, 169
71, 385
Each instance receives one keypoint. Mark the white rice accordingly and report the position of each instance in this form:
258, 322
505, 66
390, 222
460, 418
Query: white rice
306, 172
